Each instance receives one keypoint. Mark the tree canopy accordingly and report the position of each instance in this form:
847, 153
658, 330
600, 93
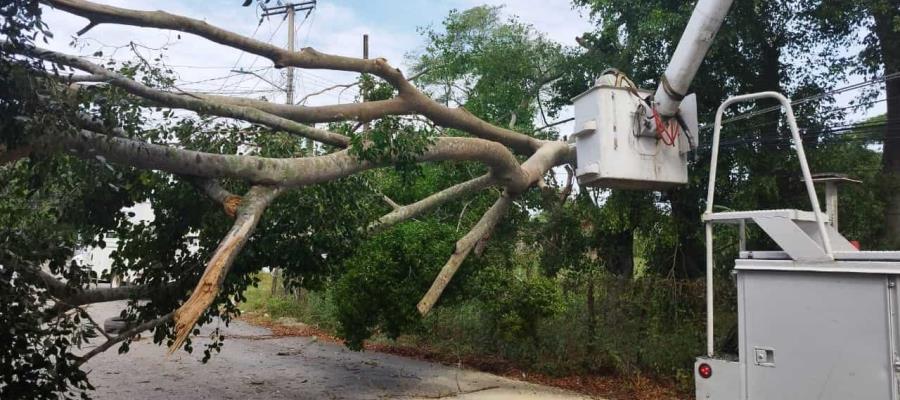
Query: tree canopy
444, 183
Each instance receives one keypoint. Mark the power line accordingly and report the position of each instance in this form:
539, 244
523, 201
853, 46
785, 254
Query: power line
307, 6
290, 72
222, 92
243, 52
807, 99
290, 10
268, 41
764, 124
220, 77
868, 131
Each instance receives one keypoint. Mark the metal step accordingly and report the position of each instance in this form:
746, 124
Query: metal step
734, 217
838, 241
838, 255
795, 231
791, 238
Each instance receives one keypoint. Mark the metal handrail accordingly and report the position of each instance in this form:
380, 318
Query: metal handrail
710, 194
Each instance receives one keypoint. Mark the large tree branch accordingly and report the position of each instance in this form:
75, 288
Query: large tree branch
460, 118
128, 334
103, 295
288, 172
68, 297
462, 249
193, 103
306, 58
548, 156
535, 167
249, 214
505, 169
429, 203
219, 194
362, 112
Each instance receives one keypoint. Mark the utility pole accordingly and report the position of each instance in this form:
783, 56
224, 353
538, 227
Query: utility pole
290, 10
365, 46
365, 57
289, 98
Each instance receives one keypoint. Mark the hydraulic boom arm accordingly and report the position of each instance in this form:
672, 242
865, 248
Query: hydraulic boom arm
695, 41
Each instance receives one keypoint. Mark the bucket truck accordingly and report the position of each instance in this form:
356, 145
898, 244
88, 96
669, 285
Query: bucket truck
817, 318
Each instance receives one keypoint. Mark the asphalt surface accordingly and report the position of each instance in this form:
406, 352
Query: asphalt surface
254, 364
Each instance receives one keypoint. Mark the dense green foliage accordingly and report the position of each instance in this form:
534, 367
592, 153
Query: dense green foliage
387, 274
763, 45
599, 255
595, 280
35, 358
487, 64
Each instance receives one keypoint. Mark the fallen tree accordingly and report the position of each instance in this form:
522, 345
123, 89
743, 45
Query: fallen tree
130, 119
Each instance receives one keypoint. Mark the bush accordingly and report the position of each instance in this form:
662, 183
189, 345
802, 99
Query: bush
648, 325
385, 278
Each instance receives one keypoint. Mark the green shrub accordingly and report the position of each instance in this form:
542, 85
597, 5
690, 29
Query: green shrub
385, 278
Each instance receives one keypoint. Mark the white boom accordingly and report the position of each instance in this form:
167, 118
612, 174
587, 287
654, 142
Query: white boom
695, 41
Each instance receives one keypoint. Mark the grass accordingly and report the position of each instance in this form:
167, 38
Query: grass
310, 307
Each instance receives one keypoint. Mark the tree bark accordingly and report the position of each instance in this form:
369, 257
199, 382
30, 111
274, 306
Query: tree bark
256, 201
886, 29
619, 253
462, 249
294, 172
429, 203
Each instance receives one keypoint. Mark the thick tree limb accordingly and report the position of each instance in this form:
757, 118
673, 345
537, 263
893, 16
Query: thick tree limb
306, 58
363, 112
460, 118
287, 172
547, 156
83, 78
103, 295
229, 201
128, 334
68, 297
431, 202
535, 167
192, 103
462, 249
249, 214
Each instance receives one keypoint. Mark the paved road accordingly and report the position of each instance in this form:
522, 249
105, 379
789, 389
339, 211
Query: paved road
256, 365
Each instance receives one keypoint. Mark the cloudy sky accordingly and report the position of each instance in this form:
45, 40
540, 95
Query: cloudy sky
335, 26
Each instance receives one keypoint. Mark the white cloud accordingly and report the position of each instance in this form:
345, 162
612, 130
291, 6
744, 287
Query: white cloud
556, 18
330, 28
333, 27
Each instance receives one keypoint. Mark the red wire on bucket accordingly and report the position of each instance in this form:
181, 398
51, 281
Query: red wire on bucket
662, 130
